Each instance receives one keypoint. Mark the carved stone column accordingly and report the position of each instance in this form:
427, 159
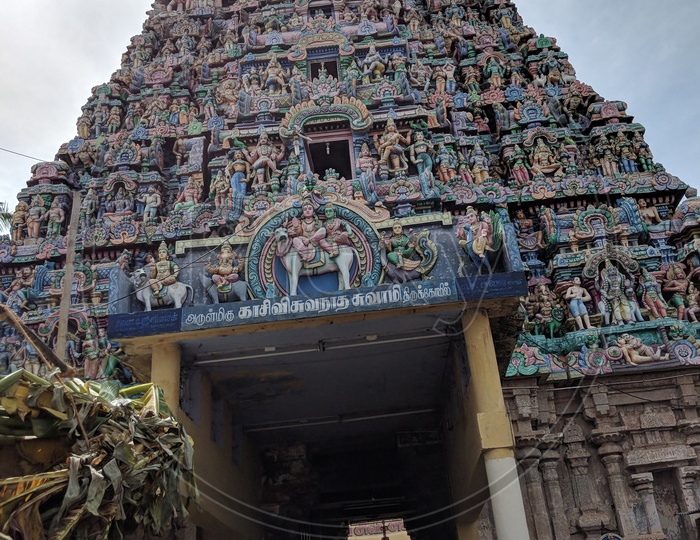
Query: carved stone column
611, 455
529, 459
686, 479
549, 463
592, 520
691, 429
644, 484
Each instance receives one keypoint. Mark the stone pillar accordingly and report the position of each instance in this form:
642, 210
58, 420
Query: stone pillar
592, 519
686, 479
611, 455
555, 502
494, 429
529, 459
644, 484
691, 429
165, 372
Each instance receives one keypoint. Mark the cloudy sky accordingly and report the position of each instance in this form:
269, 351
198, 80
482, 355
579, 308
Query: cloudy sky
642, 52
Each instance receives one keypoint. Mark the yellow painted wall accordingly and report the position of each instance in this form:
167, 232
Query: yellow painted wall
218, 477
214, 465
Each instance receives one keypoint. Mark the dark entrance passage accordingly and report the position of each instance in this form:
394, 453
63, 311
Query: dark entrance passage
347, 420
330, 155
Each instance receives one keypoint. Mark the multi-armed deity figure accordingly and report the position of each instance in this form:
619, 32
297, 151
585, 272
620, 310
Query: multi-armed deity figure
264, 159
226, 270
391, 146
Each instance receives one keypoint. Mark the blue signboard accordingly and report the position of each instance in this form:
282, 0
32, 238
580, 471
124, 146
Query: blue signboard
383, 297
145, 323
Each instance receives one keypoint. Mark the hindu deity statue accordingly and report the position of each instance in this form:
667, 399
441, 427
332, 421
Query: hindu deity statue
114, 120
151, 201
21, 291
479, 162
613, 305
35, 216
190, 195
122, 203
88, 208
390, 147
238, 172
625, 152
55, 217
164, 272
18, 222
308, 233
693, 303
636, 352
650, 293
477, 238
608, 160
367, 167
420, 75
643, 152
337, 231
292, 175
91, 356
299, 86
264, 159
420, 153
84, 156
219, 189
519, 166
528, 237
649, 214
494, 72
447, 163
577, 296
226, 270
179, 150
373, 64
543, 161
275, 76
544, 309
399, 247
677, 284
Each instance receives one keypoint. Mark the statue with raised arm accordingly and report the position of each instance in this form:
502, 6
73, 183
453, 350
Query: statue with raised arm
264, 159
391, 146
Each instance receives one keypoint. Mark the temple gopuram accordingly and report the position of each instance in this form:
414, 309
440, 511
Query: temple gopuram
390, 261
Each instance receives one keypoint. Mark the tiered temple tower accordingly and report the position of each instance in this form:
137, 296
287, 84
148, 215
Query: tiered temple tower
257, 171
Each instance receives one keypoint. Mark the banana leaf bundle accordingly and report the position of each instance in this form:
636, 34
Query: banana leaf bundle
101, 461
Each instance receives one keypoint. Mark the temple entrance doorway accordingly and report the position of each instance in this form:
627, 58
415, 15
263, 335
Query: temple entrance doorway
347, 420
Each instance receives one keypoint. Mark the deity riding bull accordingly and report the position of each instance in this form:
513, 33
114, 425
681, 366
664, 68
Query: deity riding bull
306, 247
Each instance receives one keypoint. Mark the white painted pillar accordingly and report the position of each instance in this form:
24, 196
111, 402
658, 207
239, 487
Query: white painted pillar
506, 498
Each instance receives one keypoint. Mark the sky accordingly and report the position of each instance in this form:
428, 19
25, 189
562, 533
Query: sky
642, 52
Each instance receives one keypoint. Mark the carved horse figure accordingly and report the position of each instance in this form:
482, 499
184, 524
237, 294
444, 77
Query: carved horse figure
175, 294
293, 264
